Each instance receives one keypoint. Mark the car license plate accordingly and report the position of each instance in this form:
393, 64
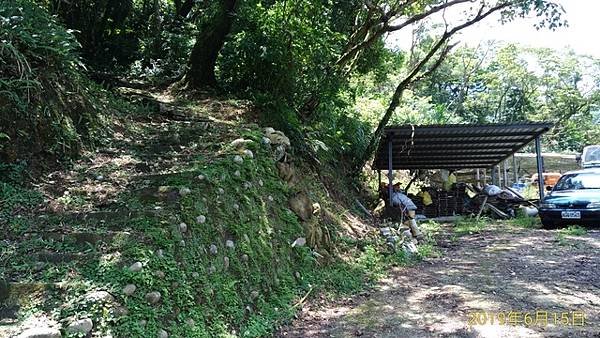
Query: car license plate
571, 214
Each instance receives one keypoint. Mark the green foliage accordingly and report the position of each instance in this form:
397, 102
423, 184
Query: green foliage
102, 26
250, 297
14, 197
431, 230
573, 230
281, 49
146, 40
14, 173
524, 221
343, 134
372, 262
428, 250
46, 105
572, 97
562, 239
164, 45
507, 83
468, 226
280, 55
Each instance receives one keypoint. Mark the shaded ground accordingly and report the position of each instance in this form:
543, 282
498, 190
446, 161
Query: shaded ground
536, 274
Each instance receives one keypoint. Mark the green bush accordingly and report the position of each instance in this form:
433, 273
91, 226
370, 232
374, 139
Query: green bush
46, 105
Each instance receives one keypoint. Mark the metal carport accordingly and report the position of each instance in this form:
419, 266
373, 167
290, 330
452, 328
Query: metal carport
456, 146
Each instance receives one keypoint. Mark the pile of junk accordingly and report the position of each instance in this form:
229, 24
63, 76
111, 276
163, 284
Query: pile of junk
441, 199
446, 198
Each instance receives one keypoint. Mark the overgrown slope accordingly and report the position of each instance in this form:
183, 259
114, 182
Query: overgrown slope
175, 228
47, 105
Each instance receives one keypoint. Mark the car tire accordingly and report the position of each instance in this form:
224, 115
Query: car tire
546, 224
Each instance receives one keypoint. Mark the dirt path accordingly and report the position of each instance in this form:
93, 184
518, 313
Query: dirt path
500, 270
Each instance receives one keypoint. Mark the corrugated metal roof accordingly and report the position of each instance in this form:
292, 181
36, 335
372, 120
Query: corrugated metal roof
454, 146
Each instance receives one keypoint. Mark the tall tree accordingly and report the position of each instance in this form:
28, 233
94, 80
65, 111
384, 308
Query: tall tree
209, 42
507, 8
570, 92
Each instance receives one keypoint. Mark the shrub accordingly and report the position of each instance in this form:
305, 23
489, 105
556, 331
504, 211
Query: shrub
46, 105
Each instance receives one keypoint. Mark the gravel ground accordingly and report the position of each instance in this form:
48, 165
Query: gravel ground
529, 282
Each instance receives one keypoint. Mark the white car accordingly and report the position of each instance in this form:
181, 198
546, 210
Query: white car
590, 156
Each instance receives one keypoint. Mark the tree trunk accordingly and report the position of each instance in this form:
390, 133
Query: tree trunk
210, 41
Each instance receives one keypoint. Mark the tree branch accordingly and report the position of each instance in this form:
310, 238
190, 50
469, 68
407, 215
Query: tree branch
443, 54
413, 75
355, 47
423, 15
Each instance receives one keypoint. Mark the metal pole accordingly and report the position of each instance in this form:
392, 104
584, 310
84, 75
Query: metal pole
515, 169
494, 175
390, 169
499, 177
505, 173
540, 169
478, 178
484, 176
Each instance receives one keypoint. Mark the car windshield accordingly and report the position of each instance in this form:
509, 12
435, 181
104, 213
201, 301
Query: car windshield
578, 181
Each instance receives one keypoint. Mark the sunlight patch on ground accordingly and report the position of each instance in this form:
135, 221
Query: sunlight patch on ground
588, 240
499, 331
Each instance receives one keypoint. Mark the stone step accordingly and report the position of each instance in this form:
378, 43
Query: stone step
92, 221
104, 215
15, 291
61, 247
164, 177
62, 251
15, 295
17, 299
52, 265
47, 256
156, 194
78, 237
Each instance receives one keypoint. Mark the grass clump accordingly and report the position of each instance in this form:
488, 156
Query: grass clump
523, 221
573, 230
428, 250
469, 226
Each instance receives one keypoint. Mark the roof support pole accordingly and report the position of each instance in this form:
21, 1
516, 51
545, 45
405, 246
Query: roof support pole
494, 174
478, 178
390, 170
505, 172
514, 168
540, 169
499, 176
484, 176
